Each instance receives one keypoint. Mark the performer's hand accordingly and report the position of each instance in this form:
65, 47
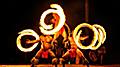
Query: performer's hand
27, 41
83, 38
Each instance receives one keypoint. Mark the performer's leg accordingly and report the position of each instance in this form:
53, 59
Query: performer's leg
77, 59
34, 62
61, 61
55, 61
101, 59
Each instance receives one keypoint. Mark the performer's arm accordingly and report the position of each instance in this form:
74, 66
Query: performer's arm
83, 38
79, 53
51, 53
66, 54
56, 35
38, 54
32, 41
64, 34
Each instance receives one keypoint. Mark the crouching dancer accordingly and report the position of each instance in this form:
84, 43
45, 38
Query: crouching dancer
73, 55
45, 55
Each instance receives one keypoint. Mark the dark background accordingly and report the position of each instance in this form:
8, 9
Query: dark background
25, 14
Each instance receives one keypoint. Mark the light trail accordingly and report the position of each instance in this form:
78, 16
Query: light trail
46, 29
99, 35
23, 33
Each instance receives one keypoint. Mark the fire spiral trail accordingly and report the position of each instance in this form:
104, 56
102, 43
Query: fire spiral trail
99, 32
23, 33
46, 29
99, 35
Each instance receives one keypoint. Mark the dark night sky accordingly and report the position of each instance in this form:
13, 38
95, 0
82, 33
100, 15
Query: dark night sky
25, 14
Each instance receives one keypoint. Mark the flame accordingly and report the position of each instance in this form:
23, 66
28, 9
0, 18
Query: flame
76, 37
45, 29
99, 40
103, 32
99, 34
99, 31
23, 33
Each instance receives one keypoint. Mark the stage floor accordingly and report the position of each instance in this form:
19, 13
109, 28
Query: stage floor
67, 65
